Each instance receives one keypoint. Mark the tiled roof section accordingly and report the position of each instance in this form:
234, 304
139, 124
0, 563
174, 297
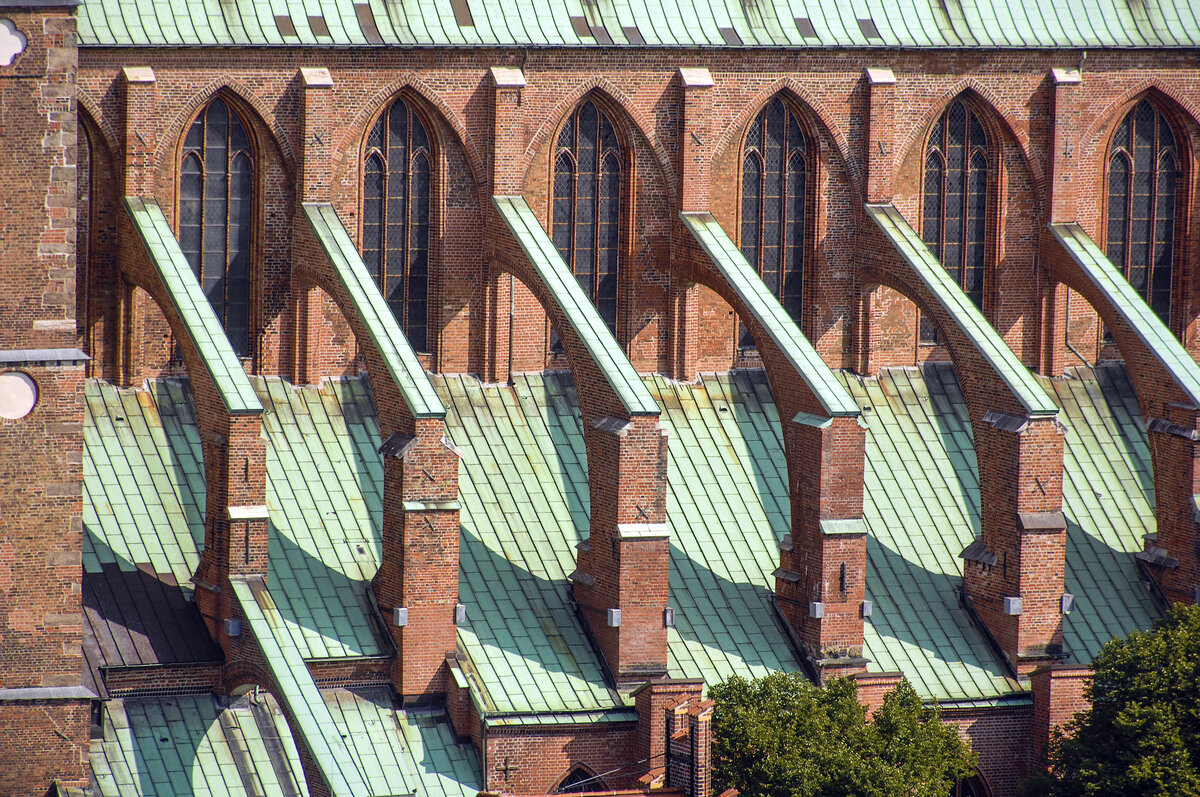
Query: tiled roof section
689, 23
198, 317
595, 335
397, 354
524, 492
144, 498
1108, 494
342, 766
247, 748
1131, 307
982, 335
769, 313
138, 617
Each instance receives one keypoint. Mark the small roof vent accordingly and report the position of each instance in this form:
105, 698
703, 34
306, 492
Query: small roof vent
285, 25
319, 26
366, 21
462, 13
867, 26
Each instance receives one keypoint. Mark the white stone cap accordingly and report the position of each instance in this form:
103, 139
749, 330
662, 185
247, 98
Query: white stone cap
694, 77
138, 74
316, 77
630, 531
1067, 76
508, 77
880, 76
258, 512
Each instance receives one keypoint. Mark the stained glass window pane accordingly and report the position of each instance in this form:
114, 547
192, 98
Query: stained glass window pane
397, 190
586, 214
774, 189
1142, 189
955, 202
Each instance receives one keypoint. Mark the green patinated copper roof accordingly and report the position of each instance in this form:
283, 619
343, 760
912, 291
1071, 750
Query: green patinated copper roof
341, 765
595, 335
247, 749
525, 506
397, 354
144, 497
524, 493
690, 23
769, 313
1131, 307
983, 336
203, 327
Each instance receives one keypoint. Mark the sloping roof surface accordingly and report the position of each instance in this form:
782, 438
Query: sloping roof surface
525, 506
184, 746
687, 23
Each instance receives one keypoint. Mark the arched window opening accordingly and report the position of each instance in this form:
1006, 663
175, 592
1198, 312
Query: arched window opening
1143, 180
579, 779
586, 218
397, 181
775, 168
955, 204
216, 188
83, 227
972, 786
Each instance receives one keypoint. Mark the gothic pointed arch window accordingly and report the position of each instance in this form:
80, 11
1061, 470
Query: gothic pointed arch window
216, 212
397, 184
586, 217
776, 165
1143, 184
955, 207
579, 779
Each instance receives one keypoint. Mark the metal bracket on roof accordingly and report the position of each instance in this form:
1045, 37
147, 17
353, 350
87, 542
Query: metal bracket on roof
810, 419
612, 425
786, 543
1164, 426
1006, 422
397, 445
586, 579
455, 450
786, 575
1153, 555
978, 552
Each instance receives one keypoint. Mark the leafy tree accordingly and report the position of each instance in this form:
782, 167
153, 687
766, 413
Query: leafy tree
1141, 735
780, 736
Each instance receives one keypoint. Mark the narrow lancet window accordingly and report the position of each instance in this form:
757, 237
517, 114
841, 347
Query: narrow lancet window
216, 211
775, 167
397, 180
956, 201
1143, 176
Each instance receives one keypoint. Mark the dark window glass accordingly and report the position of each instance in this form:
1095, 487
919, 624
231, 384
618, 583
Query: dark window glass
775, 164
579, 780
216, 194
954, 209
586, 216
397, 184
1142, 187
83, 227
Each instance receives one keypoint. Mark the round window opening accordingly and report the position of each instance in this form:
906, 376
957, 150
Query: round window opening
18, 395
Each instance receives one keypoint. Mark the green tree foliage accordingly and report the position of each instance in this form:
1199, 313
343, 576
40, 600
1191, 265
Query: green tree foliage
1141, 736
780, 736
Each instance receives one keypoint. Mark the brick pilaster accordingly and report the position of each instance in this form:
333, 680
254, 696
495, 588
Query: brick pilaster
1058, 695
316, 160
621, 576
141, 122
689, 747
881, 131
1065, 112
655, 701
